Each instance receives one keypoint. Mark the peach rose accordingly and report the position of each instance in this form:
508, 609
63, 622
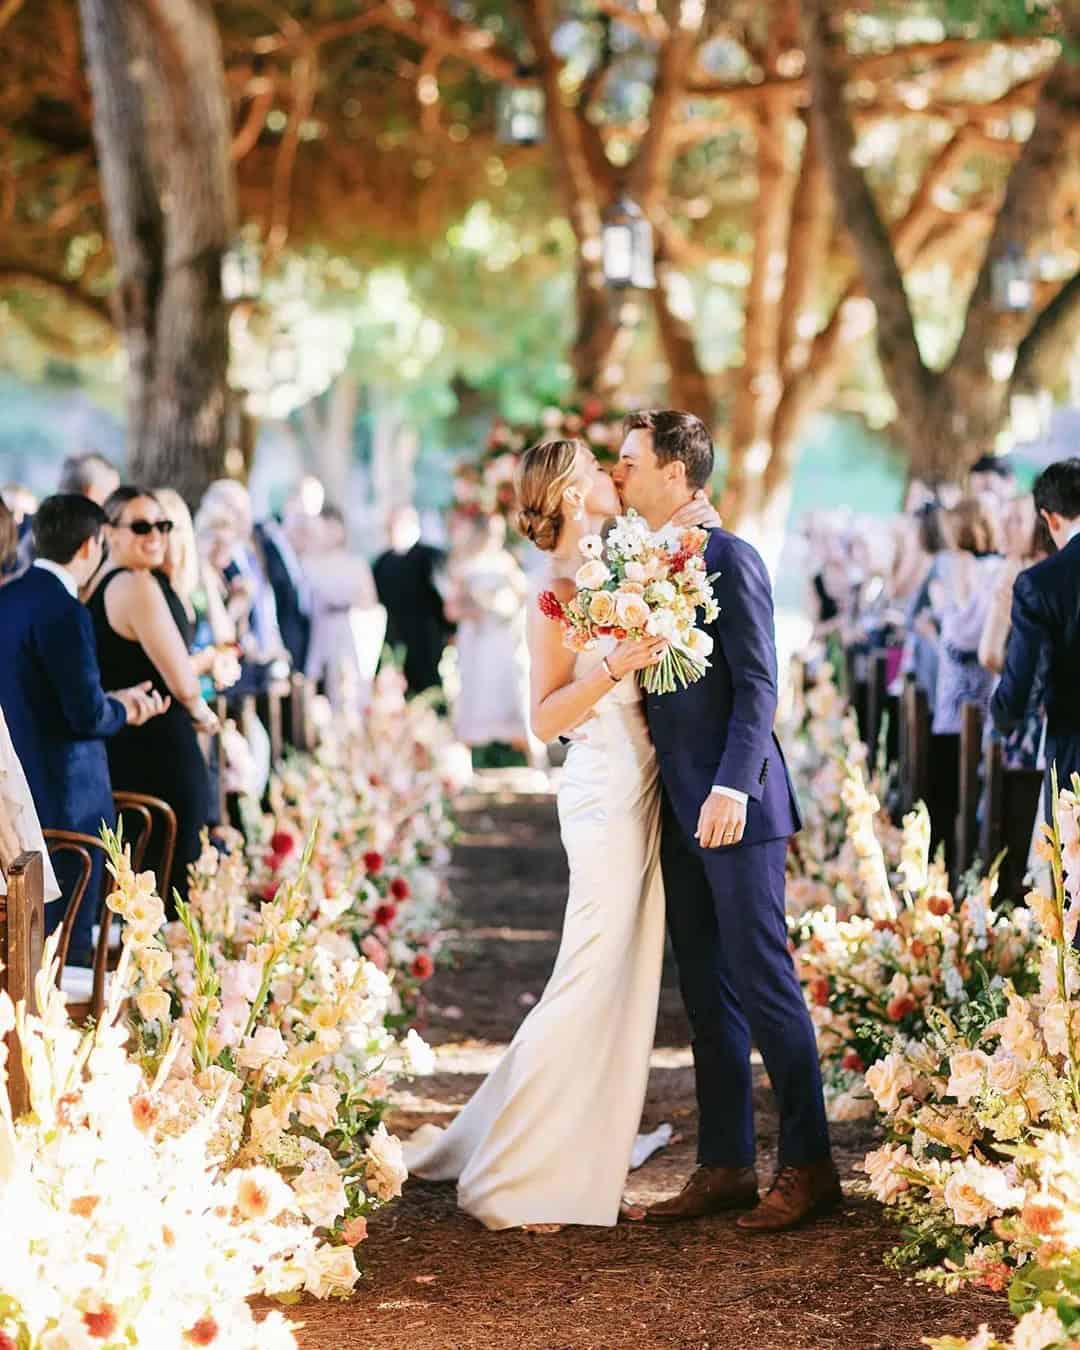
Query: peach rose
591, 575
631, 611
602, 608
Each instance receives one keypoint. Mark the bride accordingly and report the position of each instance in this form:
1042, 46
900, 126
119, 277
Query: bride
547, 1138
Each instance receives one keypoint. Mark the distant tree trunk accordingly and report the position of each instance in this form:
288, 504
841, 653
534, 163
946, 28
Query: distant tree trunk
162, 129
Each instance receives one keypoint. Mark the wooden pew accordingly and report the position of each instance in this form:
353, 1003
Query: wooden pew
22, 935
914, 744
967, 815
1013, 800
877, 697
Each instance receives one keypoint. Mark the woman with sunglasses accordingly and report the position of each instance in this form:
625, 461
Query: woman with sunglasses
142, 625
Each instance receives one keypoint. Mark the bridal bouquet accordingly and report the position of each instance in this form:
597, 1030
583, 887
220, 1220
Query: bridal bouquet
639, 583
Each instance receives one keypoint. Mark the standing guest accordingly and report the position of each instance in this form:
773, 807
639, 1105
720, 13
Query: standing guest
51, 693
289, 583
226, 504
89, 474
960, 596
486, 600
994, 476
1045, 628
407, 578
143, 633
9, 542
345, 607
921, 643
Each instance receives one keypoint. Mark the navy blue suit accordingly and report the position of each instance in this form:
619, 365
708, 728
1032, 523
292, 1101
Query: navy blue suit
58, 715
1045, 636
294, 621
725, 906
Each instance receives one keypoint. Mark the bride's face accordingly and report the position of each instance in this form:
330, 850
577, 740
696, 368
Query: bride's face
601, 497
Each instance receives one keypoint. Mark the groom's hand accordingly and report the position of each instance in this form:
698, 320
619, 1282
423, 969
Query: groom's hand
721, 821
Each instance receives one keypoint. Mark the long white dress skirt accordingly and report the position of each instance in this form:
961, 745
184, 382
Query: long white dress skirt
548, 1135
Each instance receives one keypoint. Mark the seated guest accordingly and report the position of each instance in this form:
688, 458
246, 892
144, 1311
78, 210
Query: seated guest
993, 476
143, 633
51, 692
1045, 628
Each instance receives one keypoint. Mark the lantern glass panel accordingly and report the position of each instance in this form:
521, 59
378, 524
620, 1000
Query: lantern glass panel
618, 253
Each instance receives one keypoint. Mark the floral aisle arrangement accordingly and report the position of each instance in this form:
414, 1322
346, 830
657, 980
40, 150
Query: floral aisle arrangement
638, 582
821, 741
485, 485
983, 1115
901, 964
117, 1233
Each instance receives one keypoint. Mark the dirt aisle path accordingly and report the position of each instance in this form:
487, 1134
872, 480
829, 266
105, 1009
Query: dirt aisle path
435, 1280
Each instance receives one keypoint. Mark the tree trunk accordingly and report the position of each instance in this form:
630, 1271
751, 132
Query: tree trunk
334, 447
689, 387
162, 130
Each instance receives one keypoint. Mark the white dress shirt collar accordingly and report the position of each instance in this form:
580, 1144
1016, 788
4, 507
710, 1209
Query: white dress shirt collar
61, 574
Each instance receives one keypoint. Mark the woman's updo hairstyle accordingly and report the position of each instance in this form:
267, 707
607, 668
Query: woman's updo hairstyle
544, 472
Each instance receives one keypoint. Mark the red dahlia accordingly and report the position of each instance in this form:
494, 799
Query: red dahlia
549, 606
282, 843
373, 861
400, 889
385, 916
423, 967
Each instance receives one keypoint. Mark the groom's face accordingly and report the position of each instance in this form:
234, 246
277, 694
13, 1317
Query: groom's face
639, 478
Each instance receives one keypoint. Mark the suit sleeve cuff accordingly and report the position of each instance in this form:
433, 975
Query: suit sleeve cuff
733, 793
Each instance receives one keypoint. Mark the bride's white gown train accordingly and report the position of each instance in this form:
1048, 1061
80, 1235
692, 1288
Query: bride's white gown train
548, 1136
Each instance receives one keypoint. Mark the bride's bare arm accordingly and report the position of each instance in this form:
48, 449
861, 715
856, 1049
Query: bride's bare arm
558, 701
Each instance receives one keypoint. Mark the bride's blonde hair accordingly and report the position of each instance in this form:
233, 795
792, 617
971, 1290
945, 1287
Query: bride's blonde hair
544, 472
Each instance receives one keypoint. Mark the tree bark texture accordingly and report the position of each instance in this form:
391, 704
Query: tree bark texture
162, 130
946, 418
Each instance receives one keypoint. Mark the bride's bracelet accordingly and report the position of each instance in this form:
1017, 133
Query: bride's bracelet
610, 673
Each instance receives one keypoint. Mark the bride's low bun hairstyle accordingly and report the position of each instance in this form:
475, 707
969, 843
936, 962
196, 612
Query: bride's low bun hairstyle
544, 472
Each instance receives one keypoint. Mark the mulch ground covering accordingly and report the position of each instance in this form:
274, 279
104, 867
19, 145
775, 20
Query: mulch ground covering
436, 1280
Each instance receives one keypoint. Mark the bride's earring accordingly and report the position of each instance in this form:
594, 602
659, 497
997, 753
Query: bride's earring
578, 500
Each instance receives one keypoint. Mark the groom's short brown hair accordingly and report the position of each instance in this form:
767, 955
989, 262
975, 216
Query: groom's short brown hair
677, 435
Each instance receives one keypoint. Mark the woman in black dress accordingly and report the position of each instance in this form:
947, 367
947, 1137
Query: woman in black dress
143, 633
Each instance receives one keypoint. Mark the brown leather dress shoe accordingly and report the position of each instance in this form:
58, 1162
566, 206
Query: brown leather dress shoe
710, 1190
796, 1195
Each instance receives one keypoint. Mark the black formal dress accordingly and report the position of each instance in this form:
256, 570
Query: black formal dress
162, 757
415, 618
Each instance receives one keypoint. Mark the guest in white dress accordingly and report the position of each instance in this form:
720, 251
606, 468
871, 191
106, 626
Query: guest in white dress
347, 621
486, 599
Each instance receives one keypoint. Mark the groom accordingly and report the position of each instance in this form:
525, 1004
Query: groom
728, 810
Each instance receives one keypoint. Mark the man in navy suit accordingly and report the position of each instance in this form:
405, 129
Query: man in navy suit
1045, 628
728, 811
51, 694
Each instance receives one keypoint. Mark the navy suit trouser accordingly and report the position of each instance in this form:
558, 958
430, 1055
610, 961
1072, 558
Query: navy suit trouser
725, 913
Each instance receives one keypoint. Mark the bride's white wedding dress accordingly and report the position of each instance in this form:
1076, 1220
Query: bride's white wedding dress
547, 1138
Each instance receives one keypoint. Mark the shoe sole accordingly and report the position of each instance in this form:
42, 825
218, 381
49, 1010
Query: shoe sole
816, 1211
746, 1202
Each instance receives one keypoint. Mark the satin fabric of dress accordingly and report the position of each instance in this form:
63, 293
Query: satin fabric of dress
547, 1138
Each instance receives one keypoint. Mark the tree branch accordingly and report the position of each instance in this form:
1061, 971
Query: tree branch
1051, 339
16, 275
649, 171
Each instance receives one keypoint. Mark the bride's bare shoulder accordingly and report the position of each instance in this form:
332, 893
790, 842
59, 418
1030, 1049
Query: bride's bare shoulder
563, 588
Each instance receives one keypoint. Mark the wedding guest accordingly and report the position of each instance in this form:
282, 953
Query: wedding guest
485, 599
89, 474
347, 624
960, 596
921, 641
227, 504
143, 633
993, 475
1045, 627
408, 577
289, 582
9, 542
212, 642
52, 696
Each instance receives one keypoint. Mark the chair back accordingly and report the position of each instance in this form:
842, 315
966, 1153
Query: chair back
1013, 799
146, 813
82, 847
22, 934
914, 744
967, 815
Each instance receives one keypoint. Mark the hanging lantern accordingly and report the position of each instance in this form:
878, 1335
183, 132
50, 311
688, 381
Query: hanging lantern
628, 247
519, 114
1010, 277
241, 272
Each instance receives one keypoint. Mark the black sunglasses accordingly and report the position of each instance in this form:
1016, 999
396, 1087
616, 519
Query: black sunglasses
144, 527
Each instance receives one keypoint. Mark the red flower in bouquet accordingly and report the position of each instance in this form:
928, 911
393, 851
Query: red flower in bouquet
549, 606
373, 862
423, 967
819, 991
385, 916
853, 1061
204, 1332
899, 1007
101, 1324
400, 889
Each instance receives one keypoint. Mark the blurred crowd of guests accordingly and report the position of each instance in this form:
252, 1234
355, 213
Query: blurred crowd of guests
129, 622
975, 592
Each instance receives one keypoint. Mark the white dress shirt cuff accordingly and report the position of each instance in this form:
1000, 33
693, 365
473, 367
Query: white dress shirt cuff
733, 793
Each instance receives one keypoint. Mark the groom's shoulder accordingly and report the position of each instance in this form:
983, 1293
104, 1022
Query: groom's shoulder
733, 550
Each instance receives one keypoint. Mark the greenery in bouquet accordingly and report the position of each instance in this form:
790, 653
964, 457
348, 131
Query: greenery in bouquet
983, 1113
484, 485
638, 582
903, 962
